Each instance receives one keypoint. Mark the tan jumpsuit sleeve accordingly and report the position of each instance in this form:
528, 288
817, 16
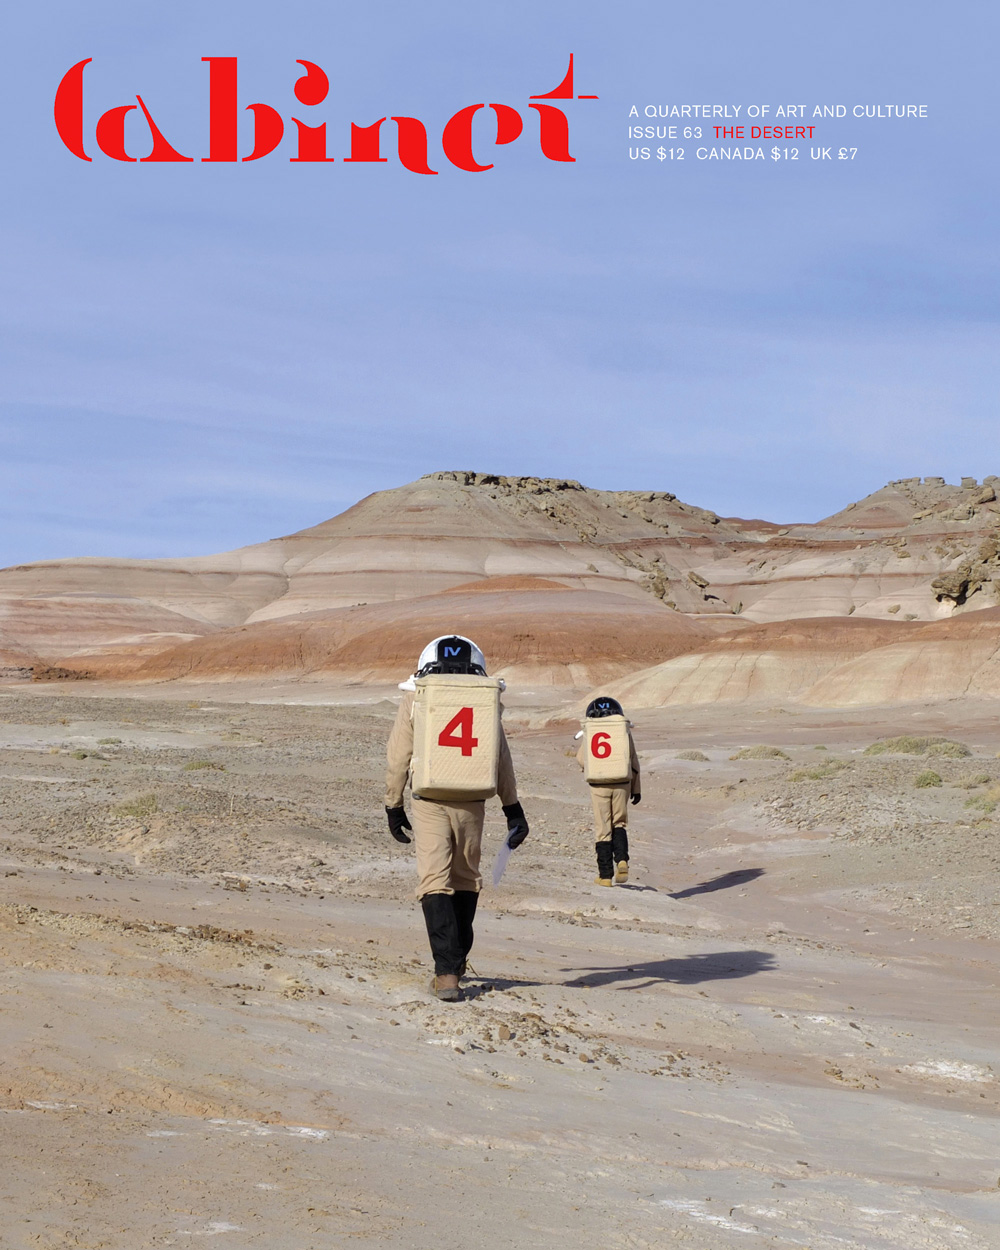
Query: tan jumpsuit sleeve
398, 752
506, 784
633, 760
580, 751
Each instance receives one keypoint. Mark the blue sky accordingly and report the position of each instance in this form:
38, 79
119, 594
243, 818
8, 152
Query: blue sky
197, 356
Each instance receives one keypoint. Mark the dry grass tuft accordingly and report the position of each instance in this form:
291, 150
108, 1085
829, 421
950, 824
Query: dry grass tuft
760, 753
907, 744
142, 807
949, 750
194, 765
700, 756
819, 772
927, 778
970, 780
987, 802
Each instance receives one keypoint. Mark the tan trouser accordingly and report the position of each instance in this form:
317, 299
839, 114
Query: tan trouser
610, 808
447, 838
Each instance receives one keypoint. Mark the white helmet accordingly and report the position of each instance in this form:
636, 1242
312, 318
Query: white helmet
451, 653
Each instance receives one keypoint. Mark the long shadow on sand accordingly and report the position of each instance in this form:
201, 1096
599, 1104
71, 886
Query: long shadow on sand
689, 970
726, 882
484, 985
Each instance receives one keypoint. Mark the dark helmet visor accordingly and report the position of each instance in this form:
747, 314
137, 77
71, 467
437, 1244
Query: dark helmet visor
603, 706
454, 655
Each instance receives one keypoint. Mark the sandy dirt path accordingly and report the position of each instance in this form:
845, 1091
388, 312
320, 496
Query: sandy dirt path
215, 1023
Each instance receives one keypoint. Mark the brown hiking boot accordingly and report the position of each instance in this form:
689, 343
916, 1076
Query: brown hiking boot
446, 988
602, 881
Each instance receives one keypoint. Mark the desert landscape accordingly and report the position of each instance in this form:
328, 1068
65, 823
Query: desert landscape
781, 1033
563, 585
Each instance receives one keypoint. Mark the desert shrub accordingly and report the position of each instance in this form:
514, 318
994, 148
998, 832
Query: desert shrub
194, 765
109, 742
700, 756
949, 750
79, 755
907, 744
904, 745
821, 748
819, 772
760, 753
987, 802
927, 778
142, 806
970, 780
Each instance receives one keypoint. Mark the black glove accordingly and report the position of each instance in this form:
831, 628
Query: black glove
636, 798
398, 822
517, 825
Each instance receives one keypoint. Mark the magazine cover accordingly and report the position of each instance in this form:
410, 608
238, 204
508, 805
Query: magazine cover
499, 617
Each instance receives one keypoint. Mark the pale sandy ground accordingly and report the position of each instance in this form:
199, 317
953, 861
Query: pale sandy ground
214, 1020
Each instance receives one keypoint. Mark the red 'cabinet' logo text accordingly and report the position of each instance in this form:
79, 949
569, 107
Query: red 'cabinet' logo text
366, 142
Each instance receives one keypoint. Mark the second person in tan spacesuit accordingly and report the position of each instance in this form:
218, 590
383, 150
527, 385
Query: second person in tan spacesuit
610, 766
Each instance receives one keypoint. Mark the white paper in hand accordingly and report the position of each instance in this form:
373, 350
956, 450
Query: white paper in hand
501, 863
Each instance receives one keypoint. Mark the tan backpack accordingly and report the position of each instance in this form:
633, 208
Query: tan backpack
606, 756
456, 737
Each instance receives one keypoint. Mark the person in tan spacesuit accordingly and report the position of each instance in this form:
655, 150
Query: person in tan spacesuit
610, 766
448, 741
